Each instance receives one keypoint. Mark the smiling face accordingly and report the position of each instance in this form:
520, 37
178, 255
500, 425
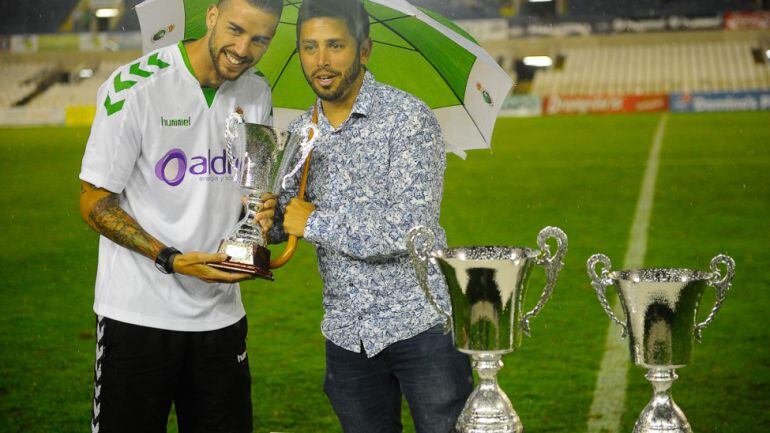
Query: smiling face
331, 59
239, 34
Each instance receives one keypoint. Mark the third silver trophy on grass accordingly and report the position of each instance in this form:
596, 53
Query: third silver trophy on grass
486, 289
660, 306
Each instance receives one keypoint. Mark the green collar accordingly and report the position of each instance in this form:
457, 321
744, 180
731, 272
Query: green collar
208, 92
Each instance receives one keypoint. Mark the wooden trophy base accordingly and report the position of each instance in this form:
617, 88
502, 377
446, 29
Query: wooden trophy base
245, 258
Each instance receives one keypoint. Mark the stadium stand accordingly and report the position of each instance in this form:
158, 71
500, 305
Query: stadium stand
603, 9
79, 91
462, 9
655, 68
20, 80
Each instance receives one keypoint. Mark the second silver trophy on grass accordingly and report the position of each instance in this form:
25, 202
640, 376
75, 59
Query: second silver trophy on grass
660, 307
486, 289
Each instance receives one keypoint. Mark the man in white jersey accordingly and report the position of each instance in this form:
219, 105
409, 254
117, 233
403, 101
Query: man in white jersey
155, 183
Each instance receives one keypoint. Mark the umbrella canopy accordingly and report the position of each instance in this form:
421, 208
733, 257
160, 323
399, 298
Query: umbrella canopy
414, 49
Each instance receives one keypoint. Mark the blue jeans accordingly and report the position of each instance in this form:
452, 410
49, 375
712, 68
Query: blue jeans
431, 374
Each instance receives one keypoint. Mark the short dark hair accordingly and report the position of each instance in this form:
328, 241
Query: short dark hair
275, 7
351, 11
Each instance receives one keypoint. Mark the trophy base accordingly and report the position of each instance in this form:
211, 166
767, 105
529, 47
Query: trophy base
662, 415
488, 409
245, 258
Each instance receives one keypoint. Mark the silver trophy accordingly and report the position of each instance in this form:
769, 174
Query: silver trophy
660, 307
259, 157
486, 289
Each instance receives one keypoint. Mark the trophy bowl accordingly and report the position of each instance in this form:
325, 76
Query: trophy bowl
487, 286
259, 156
660, 306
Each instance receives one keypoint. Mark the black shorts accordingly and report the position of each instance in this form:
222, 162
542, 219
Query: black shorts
140, 371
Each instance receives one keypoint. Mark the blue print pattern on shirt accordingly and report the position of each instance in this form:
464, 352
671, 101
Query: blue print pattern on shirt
372, 179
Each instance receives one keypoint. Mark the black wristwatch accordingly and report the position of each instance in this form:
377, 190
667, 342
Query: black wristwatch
165, 260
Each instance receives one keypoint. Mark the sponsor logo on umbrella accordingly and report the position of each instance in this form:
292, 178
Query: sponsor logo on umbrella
485, 94
162, 33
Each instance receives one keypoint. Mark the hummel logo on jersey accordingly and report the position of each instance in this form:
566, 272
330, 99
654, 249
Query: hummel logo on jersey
175, 122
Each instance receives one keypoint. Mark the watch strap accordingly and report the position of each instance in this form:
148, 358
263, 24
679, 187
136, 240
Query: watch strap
165, 261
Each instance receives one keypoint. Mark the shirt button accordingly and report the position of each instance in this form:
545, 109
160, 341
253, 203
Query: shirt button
360, 317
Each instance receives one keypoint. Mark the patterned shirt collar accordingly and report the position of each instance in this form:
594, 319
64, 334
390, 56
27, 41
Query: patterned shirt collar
362, 106
363, 102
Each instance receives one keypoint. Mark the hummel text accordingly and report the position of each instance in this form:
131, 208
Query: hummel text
174, 122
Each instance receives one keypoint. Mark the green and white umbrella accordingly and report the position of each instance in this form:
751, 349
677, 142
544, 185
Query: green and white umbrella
414, 49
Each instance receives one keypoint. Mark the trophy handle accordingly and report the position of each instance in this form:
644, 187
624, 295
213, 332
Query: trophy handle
600, 284
552, 265
721, 284
419, 242
231, 135
291, 243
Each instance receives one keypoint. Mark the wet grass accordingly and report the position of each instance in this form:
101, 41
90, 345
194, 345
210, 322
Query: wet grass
579, 173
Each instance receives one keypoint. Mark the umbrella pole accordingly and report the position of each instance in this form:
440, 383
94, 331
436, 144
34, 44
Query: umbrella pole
291, 243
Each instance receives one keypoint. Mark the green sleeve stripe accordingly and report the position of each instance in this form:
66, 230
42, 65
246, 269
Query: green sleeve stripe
121, 85
113, 108
139, 72
155, 61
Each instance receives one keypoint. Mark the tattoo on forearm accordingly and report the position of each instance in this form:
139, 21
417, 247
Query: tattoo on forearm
107, 218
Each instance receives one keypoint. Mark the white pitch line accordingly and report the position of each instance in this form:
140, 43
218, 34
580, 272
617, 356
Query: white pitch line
610, 393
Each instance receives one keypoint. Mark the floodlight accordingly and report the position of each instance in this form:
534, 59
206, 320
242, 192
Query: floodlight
86, 73
107, 13
538, 61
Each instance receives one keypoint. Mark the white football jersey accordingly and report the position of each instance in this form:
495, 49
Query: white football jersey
158, 141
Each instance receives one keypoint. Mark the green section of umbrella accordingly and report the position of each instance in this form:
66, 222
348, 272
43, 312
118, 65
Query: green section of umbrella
195, 18
449, 23
414, 49
421, 50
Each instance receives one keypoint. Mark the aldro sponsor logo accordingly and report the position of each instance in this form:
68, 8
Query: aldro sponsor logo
174, 166
112, 104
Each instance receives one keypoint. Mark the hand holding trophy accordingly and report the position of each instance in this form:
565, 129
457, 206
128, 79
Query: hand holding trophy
260, 157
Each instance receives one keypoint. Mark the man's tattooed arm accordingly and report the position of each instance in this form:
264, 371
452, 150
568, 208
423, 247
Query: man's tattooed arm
101, 210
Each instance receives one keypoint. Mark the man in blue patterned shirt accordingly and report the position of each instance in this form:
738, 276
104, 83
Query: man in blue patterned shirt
377, 170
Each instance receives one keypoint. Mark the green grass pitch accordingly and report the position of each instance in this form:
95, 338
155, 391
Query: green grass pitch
582, 174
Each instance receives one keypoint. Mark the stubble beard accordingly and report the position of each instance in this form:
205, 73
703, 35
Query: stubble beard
214, 54
347, 82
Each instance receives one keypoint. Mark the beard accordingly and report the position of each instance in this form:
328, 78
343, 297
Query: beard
216, 53
348, 79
